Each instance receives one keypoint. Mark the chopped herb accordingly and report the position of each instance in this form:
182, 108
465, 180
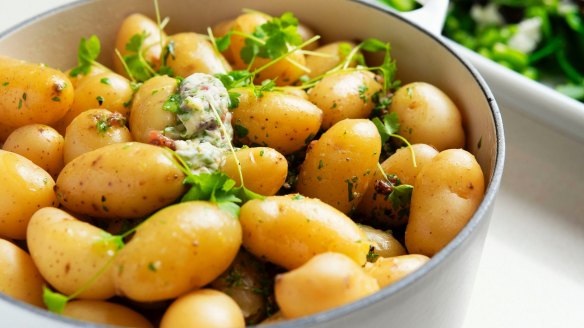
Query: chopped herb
172, 104
297, 197
334, 104
24, 96
371, 256
56, 99
309, 138
363, 93
100, 100
105, 81
240, 130
19, 103
350, 185
320, 164
234, 278
54, 301
401, 196
153, 266
410, 92
262, 153
5, 84
102, 125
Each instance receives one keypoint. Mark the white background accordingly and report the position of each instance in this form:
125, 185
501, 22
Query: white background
532, 270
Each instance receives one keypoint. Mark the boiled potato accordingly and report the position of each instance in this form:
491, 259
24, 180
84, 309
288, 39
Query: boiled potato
245, 23
307, 33
330, 56
290, 230
147, 113
427, 115
106, 313
248, 283
178, 249
277, 120
25, 188
94, 129
375, 208
193, 53
132, 26
264, 169
326, 281
20, 278
339, 166
128, 180
391, 269
448, 191
106, 90
294, 92
345, 94
40, 143
384, 243
69, 253
32, 93
203, 308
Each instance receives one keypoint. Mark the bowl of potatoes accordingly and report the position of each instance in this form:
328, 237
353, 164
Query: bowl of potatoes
187, 163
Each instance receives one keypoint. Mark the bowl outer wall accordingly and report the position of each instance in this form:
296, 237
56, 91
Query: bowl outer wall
434, 296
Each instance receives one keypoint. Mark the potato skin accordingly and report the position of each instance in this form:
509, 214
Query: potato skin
339, 166
375, 209
137, 24
344, 95
128, 180
107, 90
277, 120
326, 281
178, 249
448, 191
203, 308
32, 93
264, 169
427, 115
384, 243
94, 129
319, 65
195, 54
40, 143
69, 252
290, 230
20, 277
25, 188
387, 270
147, 113
107, 313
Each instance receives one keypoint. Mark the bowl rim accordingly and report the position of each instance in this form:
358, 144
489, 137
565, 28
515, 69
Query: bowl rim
478, 217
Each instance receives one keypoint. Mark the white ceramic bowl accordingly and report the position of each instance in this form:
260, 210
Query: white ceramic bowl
434, 296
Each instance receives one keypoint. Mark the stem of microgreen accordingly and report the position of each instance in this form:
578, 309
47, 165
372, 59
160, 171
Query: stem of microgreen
93, 278
126, 68
409, 147
298, 47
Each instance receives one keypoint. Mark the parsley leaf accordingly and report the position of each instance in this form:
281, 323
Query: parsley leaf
267, 85
373, 45
401, 196
54, 301
87, 54
136, 65
388, 127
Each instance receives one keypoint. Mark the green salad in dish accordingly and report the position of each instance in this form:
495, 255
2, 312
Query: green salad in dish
541, 39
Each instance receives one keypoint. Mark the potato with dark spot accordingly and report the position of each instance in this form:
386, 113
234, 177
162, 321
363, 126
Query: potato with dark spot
69, 252
277, 120
448, 191
40, 143
383, 242
32, 93
25, 188
127, 180
20, 278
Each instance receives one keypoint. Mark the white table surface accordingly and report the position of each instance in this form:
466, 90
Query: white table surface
532, 270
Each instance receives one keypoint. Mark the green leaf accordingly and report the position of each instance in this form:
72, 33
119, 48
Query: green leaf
54, 301
223, 42
233, 99
137, 67
136, 42
401, 196
374, 45
87, 54
172, 104
240, 130
116, 240
267, 85
387, 127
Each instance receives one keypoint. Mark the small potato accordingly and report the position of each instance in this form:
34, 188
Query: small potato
94, 129
178, 249
339, 166
344, 95
134, 25
447, 192
147, 113
69, 252
290, 230
427, 115
264, 169
32, 93
246, 24
277, 120
128, 180
332, 54
106, 313
326, 281
193, 53
107, 90
375, 208
389, 270
25, 188
20, 278
295, 92
40, 143
384, 243
203, 308
247, 282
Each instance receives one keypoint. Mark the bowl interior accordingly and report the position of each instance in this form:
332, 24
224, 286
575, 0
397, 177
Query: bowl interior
53, 38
